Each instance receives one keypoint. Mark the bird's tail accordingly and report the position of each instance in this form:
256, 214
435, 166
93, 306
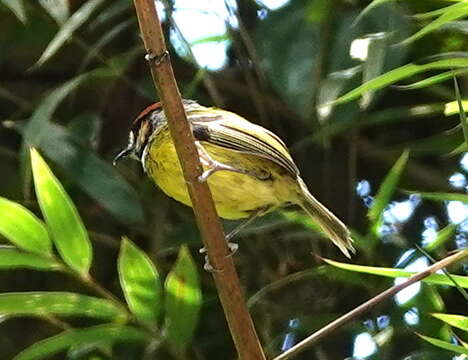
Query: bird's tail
329, 223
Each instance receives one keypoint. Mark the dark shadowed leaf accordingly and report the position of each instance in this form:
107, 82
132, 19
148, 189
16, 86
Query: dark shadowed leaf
66, 31
140, 283
437, 279
102, 334
445, 345
65, 226
182, 300
23, 228
59, 304
11, 258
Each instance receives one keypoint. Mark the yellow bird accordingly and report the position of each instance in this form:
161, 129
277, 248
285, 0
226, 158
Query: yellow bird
248, 168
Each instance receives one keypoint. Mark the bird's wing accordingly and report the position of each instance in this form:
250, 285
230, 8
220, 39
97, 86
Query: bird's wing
236, 133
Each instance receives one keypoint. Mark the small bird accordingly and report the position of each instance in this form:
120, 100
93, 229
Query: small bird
248, 168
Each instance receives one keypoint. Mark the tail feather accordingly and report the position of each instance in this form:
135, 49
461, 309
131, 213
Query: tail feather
329, 223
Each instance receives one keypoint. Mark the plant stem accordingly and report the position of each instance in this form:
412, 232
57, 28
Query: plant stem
226, 278
334, 325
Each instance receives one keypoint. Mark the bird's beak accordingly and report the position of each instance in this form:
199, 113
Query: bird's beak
124, 153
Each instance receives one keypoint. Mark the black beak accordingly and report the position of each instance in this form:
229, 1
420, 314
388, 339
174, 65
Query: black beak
124, 153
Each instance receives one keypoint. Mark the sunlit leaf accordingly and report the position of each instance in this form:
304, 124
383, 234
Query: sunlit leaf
57, 9
445, 345
17, 7
183, 300
69, 27
443, 235
102, 334
458, 321
401, 73
450, 13
11, 258
23, 228
452, 107
58, 303
386, 190
140, 283
437, 279
64, 223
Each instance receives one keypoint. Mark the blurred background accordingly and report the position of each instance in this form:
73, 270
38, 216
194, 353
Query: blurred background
73, 77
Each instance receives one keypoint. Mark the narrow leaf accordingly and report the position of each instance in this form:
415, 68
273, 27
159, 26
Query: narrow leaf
140, 283
387, 188
10, 258
183, 300
59, 304
444, 196
437, 279
432, 80
23, 228
442, 237
17, 7
458, 321
453, 107
57, 9
398, 74
461, 110
102, 334
63, 221
68, 28
368, 8
450, 13
445, 345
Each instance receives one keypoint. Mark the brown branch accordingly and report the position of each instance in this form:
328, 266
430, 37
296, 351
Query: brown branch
226, 279
334, 325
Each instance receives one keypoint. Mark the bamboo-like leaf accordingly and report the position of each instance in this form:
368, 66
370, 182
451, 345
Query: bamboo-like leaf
433, 80
458, 321
17, 7
448, 14
183, 300
453, 107
437, 279
57, 9
443, 196
102, 334
140, 283
461, 110
401, 73
445, 345
386, 190
65, 226
23, 228
11, 258
442, 237
59, 304
68, 28
368, 8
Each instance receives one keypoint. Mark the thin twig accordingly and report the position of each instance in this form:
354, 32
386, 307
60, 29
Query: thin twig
226, 279
334, 325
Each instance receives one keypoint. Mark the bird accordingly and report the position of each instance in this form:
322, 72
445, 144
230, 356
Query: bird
248, 168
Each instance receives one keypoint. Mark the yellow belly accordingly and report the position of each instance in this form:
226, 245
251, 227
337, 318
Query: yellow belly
235, 195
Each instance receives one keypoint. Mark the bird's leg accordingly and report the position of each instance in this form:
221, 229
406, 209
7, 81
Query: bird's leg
214, 166
233, 247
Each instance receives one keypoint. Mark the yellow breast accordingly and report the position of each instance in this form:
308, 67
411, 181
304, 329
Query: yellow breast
235, 195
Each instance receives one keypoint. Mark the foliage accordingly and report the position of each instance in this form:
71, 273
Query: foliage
360, 91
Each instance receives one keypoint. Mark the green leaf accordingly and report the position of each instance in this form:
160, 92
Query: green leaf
368, 8
68, 28
442, 237
60, 304
437, 279
183, 300
23, 228
433, 80
400, 73
458, 321
17, 7
450, 13
461, 110
443, 196
10, 258
64, 223
386, 190
453, 107
445, 345
102, 334
140, 283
